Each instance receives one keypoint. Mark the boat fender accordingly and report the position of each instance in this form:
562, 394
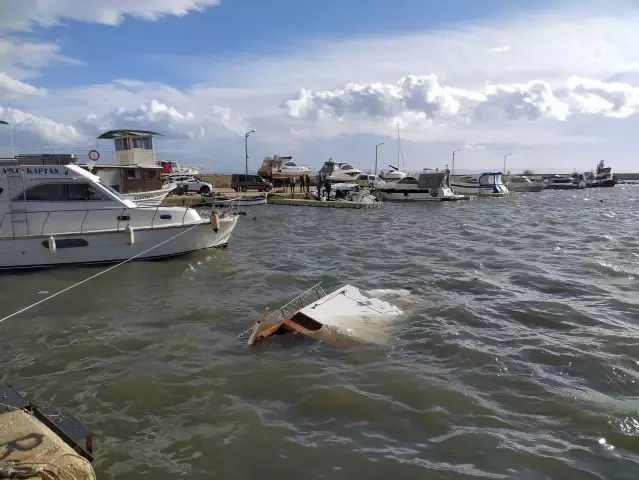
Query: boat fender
434, 192
130, 235
52, 247
215, 222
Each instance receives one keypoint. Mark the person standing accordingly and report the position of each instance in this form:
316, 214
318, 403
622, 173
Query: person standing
302, 180
292, 180
308, 184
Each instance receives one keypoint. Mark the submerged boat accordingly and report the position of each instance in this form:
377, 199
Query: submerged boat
419, 187
332, 318
521, 183
486, 183
54, 215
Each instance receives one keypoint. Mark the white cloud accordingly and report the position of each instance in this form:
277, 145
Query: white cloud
11, 89
566, 86
22, 59
29, 128
23, 14
477, 148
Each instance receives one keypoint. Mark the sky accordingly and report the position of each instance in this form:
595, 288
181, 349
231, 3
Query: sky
555, 84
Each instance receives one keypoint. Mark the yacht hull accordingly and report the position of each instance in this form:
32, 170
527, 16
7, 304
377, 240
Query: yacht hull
526, 188
112, 246
473, 190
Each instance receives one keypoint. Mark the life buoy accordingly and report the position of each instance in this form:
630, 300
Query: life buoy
434, 192
94, 155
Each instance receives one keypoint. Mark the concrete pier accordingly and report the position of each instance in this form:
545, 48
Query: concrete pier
303, 202
29, 449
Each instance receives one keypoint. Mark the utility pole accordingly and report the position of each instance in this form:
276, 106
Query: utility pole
376, 148
246, 135
454, 152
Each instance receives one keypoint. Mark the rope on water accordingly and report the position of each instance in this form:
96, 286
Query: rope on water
97, 274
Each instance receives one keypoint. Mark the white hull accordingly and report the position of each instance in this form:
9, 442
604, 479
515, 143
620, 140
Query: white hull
525, 188
152, 198
112, 246
490, 190
389, 195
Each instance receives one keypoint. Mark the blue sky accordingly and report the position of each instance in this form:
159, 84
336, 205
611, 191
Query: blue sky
244, 26
556, 83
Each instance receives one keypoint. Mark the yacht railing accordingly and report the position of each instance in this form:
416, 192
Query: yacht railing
120, 222
311, 295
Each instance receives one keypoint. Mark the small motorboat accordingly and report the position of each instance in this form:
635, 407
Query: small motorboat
561, 182
488, 183
336, 318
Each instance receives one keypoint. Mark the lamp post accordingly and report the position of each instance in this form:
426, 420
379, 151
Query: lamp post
376, 148
505, 156
2, 122
246, 135
454, 152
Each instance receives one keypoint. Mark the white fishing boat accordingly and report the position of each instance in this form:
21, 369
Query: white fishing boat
489, 183
336, 318
52, 214
151, 198
418, 187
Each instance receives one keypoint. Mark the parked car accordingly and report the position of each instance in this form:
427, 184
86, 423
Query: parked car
242, 183
193, 184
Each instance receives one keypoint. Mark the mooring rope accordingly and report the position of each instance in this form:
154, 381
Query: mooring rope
97, 274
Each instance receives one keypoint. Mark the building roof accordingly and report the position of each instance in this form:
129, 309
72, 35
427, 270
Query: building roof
113, 134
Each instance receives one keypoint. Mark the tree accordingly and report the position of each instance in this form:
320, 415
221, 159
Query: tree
528, 171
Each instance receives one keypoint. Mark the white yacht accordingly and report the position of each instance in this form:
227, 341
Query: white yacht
521, 183
419, 187
281, 167
486, 183
53, 214
339, 171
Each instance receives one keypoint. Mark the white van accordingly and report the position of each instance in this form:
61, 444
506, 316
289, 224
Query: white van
368, 180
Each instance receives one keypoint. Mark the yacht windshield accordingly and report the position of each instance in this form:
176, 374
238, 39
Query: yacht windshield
113, 192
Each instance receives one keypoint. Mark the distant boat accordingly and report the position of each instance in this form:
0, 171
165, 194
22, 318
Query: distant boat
603, 177
395, 174
339, 171
419, 187
242, 201
486, 183
521, 183
561, 182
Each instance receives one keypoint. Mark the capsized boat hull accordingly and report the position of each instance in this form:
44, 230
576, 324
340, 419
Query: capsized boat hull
330, 318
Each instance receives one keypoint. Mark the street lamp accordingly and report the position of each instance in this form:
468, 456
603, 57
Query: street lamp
454, 152
2, 122
376, 147
246, 135
504, 172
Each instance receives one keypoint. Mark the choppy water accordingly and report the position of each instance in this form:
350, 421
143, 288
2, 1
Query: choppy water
520, 359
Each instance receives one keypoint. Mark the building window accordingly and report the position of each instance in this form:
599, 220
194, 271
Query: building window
151, 174
133, 174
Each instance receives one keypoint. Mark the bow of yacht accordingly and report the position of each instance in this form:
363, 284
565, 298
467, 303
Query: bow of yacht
62, 214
